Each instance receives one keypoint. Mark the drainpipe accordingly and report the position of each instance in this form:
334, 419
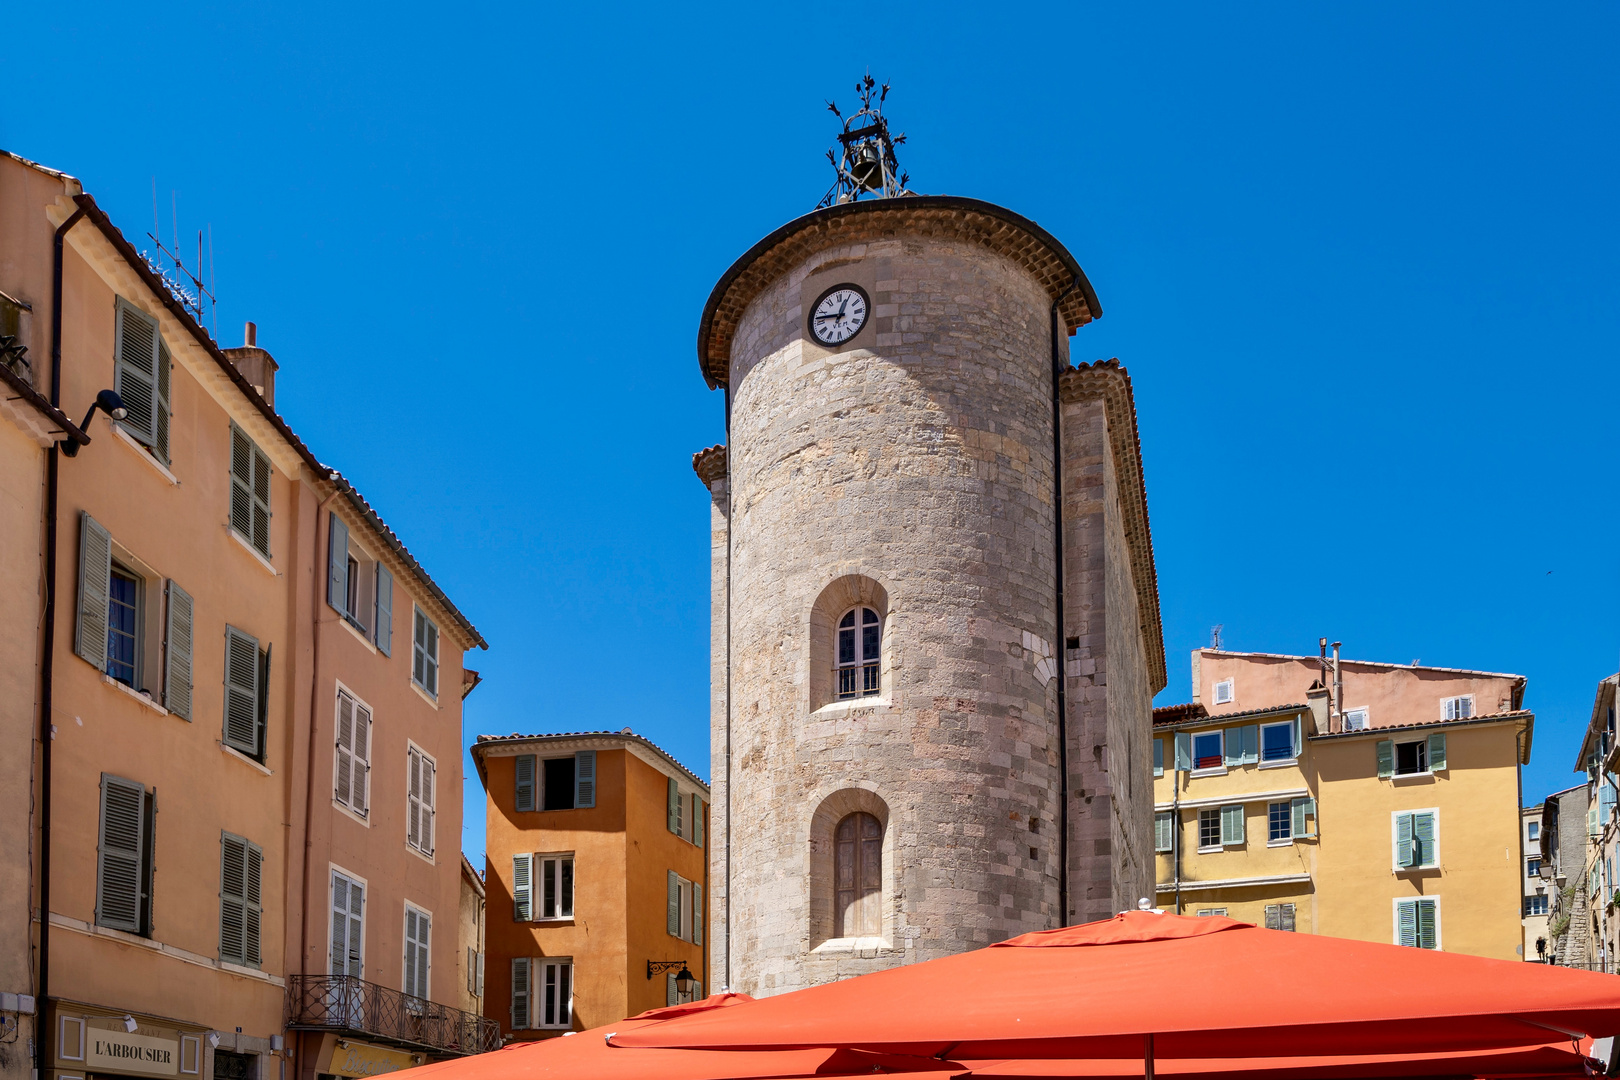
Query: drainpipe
731, 526
1175, 834
1338, 693
1062, 643
47, 659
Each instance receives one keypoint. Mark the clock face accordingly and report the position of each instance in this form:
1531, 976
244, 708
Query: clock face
839, 314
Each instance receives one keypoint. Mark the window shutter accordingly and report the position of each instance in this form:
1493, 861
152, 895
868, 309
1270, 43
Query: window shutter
1301, 808
177, 653
1406, 929
418, 938
413, 799
252, 904
674, 904
697, 821
472, 961
362, 759
232, 908
1403, 841
1232, 741
1427, 924
241, 483
674, 807
1250, 736
241, 691
522, 888
262, 710
697, 913
1386, 758
429, 771
1273, 916
671, 995
161, 412
522, 993
261, 502
479, 990
1163, 831
120, 866
1183, 751
1287, 918
524, 799
1231, 825
585, 779
1437, 751
1299, 735
410, 953
337, 564
95, 570
343, 774
1423, 853
385, 610
135, 365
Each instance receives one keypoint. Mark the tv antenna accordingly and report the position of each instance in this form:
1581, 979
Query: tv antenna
186, 284
865, 163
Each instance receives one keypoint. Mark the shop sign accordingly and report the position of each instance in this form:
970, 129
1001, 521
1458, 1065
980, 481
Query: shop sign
117, 1052
358, 1059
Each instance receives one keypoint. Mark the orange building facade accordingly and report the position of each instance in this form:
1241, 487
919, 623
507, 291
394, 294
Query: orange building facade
596, 880
243, 690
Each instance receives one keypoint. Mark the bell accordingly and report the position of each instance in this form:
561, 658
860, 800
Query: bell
865, 167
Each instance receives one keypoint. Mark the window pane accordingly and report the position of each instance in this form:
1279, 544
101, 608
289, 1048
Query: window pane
559, 794
1277, 742
567, 889
869, 617
846, 682
548, 905
1411, 757
1280, 821
1207, 750
122, 604
846, 646
848, 619
1209, 828
869, 679
869, 643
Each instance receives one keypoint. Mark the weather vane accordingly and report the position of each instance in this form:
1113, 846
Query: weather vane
865, 163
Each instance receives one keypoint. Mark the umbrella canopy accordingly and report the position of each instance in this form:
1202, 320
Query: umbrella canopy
1519, 1063
1202, 988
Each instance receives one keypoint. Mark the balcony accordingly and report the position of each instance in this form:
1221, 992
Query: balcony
347, 1004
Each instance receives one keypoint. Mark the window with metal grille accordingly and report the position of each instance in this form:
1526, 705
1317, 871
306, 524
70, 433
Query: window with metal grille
860, 636
1277, 741
1206, 749
1209, 828
1279, 822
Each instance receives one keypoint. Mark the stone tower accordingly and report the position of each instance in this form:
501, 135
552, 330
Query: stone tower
893, 776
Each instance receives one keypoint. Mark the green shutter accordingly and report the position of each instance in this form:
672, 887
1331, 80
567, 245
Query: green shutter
177, 652
1302, 808
1437, 751
135, 366
1403, 841
1183, 751
522, 888
1423, 852
241, 691
1163, 831
385, 611
674, 807
1406, 923
250, 491
95, 571
1249, 737
1232, 747
1231, 825
262, 713
120, 855
163, 411
1158, 757
337, 564
1428, 928
524, 798
674, 904
697, 820
521, 993
584, 779
1273, 916
240, 911
697, 913
1386, 759
1299, 735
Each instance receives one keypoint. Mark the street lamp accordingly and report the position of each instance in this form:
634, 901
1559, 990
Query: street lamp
108, 402
683, 978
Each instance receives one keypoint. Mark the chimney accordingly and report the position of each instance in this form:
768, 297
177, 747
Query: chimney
257, 366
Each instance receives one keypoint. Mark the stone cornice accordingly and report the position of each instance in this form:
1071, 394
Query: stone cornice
710, 464
994, 227
1109, 381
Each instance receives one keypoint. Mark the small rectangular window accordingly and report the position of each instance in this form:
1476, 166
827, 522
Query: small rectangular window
1207, 750
1535, 830
418, 938
1535, 905
124, 610
425, 653
1223, 692
246, 693
419, 800
124, 856
1417, 840
1417, 923
1209, 829
1532, 867
1280, 917
559, 784
1411, 758
1457, 708
1205, 913
556, 886
1279, 822
1277, 741
351, 770
1158, 757
1355, 720
556, 988
1164, 825
240, 910
250, 492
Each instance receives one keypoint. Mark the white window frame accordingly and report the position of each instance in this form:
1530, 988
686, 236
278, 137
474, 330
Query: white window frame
1446, 707
365, 903
1217, 846
1204, 913
417, 648
1358, 710
538, 877
537, 992
1170, 817
362, 815
404, 923
1395, 920
1287, 841
1225, 692
1292, 758
1532, 831
429, 806
1395, 761
1395, 835
1218, 769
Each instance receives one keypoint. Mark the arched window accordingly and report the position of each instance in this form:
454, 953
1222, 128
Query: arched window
859, 637
858, 859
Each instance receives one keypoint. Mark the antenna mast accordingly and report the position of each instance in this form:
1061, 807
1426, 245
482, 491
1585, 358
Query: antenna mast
169, 267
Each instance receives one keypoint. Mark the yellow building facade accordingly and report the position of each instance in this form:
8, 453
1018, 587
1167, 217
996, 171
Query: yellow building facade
1393, 819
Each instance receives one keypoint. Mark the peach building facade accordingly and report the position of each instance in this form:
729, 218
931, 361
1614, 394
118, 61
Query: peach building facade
597, 848
221, 608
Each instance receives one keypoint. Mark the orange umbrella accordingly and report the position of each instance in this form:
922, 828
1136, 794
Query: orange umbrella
1147, 987
1520, 1063
587, 1055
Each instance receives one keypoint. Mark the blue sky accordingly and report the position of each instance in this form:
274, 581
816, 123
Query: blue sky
1360, 261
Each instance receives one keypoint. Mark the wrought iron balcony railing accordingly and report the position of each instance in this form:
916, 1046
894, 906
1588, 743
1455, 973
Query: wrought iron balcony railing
345, 1003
